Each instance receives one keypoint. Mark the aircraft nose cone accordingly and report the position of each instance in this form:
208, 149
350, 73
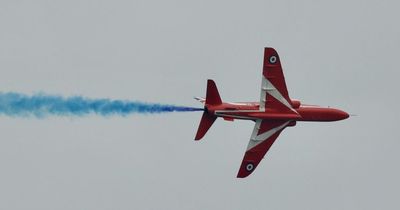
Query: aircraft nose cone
342, 115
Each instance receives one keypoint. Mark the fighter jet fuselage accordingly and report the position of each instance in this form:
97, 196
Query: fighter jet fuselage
274, 112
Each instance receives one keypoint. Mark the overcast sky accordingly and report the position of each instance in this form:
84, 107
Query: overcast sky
340, 53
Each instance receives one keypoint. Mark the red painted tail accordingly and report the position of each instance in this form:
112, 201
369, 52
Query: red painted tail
212, 98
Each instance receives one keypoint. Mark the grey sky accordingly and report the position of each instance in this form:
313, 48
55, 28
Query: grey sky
335, 53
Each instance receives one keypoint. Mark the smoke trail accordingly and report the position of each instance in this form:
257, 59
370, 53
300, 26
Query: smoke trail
41, 105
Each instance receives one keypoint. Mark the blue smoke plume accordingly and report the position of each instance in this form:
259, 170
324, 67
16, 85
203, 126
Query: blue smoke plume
41, 105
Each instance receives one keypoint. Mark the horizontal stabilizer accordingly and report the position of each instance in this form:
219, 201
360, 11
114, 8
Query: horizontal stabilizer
206, 122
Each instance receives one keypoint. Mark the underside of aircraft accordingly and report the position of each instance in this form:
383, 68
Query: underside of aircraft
272, 113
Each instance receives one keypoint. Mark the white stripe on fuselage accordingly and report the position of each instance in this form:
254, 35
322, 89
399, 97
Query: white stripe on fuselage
221, 113
239, 104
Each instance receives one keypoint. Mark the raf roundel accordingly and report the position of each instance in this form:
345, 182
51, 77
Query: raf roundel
273, 59
249, 167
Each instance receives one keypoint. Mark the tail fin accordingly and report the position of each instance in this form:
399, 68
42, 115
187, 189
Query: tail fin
212, 98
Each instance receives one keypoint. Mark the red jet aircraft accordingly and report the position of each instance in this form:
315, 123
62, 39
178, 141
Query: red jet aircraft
272, 114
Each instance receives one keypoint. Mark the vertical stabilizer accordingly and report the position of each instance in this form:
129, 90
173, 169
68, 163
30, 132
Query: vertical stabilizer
212, 97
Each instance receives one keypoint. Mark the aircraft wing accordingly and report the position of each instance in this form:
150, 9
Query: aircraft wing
274, 94
264, 135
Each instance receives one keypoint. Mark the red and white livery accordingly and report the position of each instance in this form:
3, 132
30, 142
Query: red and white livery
274, 112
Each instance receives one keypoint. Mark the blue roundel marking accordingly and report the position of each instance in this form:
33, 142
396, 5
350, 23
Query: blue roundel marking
249, 167
273, 59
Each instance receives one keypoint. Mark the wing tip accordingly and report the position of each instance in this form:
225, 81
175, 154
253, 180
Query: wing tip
246, 168
241, 176
271, 57
269, 48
